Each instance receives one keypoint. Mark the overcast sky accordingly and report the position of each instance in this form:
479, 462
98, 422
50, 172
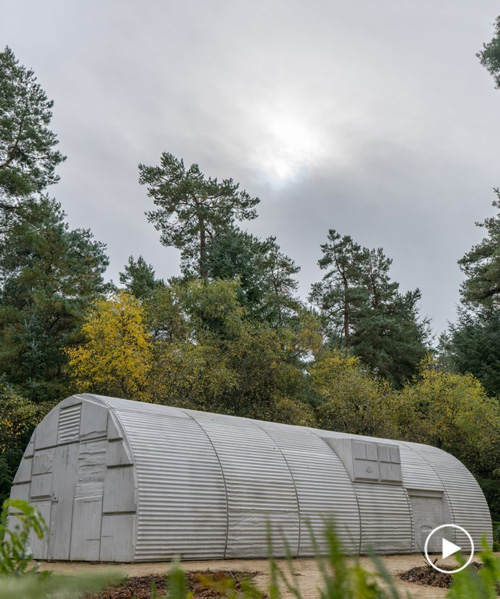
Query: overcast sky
374, 118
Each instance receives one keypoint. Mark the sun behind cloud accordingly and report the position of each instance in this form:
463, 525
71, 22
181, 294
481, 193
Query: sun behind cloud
287, 142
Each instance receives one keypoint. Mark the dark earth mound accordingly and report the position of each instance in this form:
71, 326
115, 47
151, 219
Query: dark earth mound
141, 587
429, 576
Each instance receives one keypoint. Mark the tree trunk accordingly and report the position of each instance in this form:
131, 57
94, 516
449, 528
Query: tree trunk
203, 249
346, 321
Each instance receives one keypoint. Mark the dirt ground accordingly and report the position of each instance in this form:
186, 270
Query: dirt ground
308, 578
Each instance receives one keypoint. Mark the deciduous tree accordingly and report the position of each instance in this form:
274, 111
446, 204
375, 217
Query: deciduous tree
115, 357
453, 412
350, 398
222, 361
18, 418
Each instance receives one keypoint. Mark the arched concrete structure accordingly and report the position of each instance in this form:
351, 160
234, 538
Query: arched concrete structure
120, 480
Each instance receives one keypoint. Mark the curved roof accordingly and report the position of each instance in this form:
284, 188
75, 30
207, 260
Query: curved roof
204, 485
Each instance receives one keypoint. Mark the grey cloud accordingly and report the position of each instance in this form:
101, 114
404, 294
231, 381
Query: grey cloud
403, 121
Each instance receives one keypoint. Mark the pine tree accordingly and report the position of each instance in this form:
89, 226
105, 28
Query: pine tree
473, 342
266, 276
192, 209
490, 55
28, 157
481, 266
49, 276
139, 278
363, 311
342, 294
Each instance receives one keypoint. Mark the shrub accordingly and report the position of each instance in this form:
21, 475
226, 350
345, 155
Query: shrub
18, 520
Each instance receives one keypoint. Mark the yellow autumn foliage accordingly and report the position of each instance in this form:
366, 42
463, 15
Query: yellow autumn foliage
451, 411
18, 417
115, 356
190, 375
351, 399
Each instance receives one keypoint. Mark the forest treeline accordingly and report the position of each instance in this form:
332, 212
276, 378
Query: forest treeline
230, 334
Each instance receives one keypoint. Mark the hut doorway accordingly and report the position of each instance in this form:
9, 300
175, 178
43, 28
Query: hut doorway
428, 510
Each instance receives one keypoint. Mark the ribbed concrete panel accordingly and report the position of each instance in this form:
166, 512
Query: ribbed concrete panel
222, 418
385, 518
324, 489
87, 507
137, 406
259, 488
417, 473
468, 505
181, 494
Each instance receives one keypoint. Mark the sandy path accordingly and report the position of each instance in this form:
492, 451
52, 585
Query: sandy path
309, 578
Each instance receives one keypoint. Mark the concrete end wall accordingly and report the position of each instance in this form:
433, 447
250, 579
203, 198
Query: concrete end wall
78, 471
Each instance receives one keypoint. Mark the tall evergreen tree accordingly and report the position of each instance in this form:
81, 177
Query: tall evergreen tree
266, 276
481, 266
192, 208
363, 311
49, 276
139, 278
281, 302
342, 294
235, 254
473, 342
490, 54
28, 155
392, 339
375, 270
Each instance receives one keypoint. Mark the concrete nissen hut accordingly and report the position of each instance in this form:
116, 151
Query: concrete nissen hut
119, 480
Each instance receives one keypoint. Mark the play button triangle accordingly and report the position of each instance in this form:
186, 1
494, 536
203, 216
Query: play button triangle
449, 548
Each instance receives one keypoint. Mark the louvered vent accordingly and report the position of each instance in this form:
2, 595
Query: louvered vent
69, 424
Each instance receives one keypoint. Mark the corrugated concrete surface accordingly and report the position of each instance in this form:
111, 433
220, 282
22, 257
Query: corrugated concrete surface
119, 480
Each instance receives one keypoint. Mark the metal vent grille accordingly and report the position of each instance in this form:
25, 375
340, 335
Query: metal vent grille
68, 428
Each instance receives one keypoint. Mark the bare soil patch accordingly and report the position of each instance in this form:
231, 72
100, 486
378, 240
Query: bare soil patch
140, 587
310, 579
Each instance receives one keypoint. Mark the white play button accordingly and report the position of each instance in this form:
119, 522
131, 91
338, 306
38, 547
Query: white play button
449, 548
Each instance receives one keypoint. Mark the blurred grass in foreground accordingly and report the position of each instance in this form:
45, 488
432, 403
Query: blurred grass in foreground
341, 577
